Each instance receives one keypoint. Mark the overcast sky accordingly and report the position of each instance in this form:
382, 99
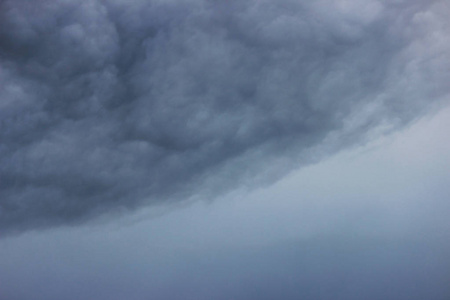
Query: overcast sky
190, 149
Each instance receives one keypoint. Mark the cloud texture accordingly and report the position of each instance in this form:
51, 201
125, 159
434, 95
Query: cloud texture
109, 105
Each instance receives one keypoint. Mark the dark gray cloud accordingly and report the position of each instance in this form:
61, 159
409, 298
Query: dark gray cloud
109, 105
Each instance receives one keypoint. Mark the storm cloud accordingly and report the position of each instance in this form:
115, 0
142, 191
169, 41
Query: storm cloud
112, 105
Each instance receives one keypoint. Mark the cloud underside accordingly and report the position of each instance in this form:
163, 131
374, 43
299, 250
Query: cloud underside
112, 105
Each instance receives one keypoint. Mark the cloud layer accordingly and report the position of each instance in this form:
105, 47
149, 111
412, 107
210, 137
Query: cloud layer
110, 105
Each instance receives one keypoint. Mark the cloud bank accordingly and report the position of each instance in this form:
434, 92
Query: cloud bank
111, 105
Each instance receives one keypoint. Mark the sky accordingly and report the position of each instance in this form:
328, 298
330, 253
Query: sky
190, 149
